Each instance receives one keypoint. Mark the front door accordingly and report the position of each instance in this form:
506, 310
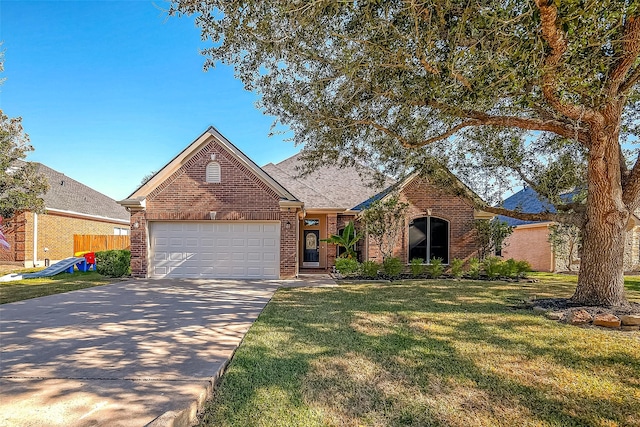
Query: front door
311, 257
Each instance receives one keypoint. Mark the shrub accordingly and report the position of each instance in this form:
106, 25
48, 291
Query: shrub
456, 268
492, 267
435, 268
392, 267
417, 267
369, 269
474, 268
522, 268
347, 266
115, 263
509, 268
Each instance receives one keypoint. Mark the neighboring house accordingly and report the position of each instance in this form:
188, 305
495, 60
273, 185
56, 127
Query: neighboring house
212, 212
71, 208
530, 239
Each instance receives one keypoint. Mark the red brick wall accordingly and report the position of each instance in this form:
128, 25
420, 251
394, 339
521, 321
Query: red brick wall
422, 197
240, 195
530, 244
14, 232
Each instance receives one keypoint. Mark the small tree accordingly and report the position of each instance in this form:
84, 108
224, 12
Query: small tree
491, 236
20, 185
565, 241
347, 240
383, 221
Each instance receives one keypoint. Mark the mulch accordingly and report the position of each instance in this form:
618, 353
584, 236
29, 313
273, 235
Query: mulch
564, 305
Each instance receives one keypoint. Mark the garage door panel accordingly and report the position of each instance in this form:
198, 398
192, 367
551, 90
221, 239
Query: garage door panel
215, 250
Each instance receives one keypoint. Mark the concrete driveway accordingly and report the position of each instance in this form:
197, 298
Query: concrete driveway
143, 352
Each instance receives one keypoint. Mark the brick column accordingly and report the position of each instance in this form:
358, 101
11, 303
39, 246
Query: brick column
139, 255
288, 243
332, 250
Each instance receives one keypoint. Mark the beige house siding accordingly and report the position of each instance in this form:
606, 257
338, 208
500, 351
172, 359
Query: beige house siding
531, 243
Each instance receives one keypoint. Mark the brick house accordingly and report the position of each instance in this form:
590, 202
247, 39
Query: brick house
212, 212
71, 208
530, 239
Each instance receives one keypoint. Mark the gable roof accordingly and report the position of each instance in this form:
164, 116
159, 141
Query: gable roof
328, 187
137, 198
70, 196
398, 186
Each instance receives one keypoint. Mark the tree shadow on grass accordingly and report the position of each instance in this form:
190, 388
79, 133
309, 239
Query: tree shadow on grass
415, 355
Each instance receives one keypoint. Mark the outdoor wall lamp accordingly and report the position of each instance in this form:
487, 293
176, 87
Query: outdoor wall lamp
136, 224
287, 225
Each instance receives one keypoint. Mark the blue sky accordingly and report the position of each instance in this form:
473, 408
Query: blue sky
112, 90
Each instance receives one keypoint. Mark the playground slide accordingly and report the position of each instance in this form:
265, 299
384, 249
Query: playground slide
57, 268
54, 269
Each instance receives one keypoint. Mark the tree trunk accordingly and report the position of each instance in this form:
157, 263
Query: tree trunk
601, 280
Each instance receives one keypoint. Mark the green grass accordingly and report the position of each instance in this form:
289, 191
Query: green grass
428, 353
64, 282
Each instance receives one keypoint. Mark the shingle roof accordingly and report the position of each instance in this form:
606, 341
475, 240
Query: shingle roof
70, 195
529, 201
326, 187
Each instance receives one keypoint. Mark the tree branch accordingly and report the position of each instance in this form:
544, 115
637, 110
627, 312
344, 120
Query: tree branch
631, 81
527, 216
628, 56
554, 126
556, 40
458, 188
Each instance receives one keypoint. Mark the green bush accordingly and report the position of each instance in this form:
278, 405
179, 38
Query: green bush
369, 269
435, 268
392, 267
347, 266
474, 268
492, 267
522, 268
509, 269
116, 263
417, 267
456, 268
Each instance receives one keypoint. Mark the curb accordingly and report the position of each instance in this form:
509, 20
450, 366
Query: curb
188, 416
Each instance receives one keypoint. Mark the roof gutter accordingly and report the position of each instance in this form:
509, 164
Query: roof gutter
87, 216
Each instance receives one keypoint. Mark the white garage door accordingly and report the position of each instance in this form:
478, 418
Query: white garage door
223, 250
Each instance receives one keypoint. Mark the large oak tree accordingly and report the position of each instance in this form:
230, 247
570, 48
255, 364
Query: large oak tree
496, 91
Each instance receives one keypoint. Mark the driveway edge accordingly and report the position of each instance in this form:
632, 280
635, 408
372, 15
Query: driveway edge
188, 416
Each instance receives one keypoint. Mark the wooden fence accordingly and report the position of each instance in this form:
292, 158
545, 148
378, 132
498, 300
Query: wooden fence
95, 243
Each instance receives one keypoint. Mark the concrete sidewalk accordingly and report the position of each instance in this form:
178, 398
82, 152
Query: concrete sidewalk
143, 352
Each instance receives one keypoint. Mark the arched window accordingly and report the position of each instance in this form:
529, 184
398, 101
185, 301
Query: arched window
213, 172
429, 239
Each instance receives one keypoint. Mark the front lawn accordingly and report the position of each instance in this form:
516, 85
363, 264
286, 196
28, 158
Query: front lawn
63, 282
428, 353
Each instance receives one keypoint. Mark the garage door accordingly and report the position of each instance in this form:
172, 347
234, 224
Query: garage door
215, 250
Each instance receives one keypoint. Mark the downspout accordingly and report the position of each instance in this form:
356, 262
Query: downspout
35, 238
